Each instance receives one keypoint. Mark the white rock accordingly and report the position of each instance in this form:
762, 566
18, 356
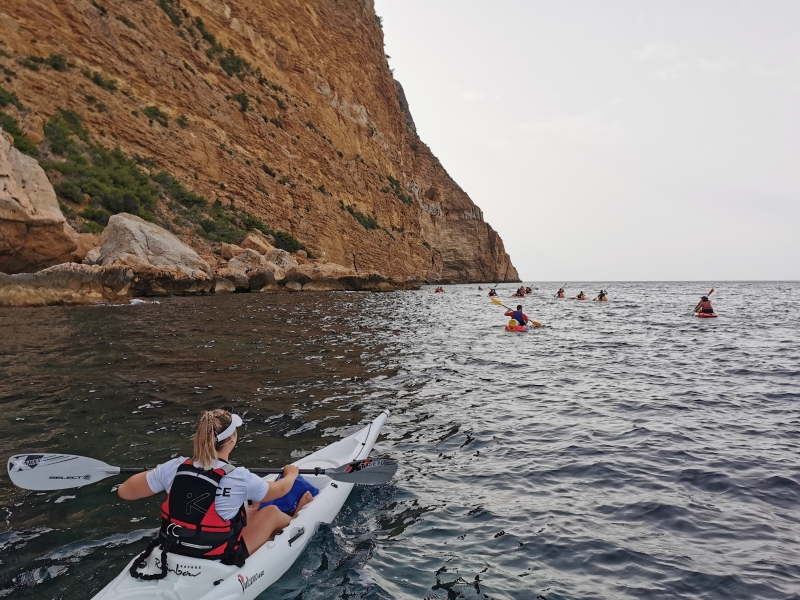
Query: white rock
131, 240
92, 256
33, 232
283, 259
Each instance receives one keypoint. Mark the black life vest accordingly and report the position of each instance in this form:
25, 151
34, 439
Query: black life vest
191, 525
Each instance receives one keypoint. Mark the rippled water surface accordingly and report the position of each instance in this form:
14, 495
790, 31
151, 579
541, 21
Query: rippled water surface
624, 450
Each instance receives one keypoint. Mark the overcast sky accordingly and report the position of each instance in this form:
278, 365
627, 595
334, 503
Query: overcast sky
615, 140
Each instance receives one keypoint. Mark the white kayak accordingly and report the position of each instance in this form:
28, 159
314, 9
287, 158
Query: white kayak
202, 579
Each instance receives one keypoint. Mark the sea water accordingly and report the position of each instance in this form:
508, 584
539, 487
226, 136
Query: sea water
624, 450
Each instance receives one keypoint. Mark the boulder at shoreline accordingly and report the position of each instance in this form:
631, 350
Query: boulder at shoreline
138, 258
68, 283
33, 232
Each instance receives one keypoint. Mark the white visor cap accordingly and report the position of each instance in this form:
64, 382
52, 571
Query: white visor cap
236, 421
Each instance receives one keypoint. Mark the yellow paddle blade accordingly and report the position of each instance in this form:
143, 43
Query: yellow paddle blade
496, 301
535, 323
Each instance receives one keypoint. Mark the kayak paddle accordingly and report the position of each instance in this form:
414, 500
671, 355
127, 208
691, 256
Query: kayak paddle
44, 472
496, 301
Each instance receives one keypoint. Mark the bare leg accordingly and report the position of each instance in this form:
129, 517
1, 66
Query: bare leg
307, 497
262, 525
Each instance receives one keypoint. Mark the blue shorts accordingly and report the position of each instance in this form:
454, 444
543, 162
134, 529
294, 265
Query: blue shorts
288, 503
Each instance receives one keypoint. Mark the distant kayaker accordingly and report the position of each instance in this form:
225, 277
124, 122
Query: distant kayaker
492, 292
560, 293
479, 288
528, 290
204, 515
601, 297
518, 315
704, 306
581, 296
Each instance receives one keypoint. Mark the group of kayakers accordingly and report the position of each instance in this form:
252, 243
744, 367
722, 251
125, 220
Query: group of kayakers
520, 321
522, 292
439, 290
602, 295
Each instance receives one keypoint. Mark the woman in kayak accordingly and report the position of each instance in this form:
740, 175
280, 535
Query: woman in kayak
560, 293
492, 292
601, 297
527, 290
518, 315
581, 296
704, 306
204, 515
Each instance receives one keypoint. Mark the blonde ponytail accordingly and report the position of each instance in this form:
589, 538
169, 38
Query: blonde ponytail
211, 423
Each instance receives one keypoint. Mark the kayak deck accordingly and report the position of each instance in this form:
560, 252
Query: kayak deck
201, 579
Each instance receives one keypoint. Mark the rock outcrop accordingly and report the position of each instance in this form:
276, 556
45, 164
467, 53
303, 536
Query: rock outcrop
137, 258
161, 263
287, 110
255, 268
256, 241
33, 232
131, 240
68, 283
228, 251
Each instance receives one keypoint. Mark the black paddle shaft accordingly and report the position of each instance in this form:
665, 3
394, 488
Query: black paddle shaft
317, 471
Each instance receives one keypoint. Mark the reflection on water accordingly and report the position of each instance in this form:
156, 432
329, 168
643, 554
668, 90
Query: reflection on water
625, 450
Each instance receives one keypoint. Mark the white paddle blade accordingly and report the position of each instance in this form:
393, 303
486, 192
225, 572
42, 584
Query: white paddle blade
364, 472
44, 472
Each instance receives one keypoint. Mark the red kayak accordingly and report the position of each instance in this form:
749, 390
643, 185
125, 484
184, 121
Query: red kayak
706, 315
521, 328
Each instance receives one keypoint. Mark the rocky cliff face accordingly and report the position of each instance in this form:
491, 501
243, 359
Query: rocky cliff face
284, 109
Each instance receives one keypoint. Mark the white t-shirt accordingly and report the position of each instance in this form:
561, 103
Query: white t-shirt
235, 488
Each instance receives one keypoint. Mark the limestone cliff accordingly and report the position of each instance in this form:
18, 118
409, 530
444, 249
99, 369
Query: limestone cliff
285, 109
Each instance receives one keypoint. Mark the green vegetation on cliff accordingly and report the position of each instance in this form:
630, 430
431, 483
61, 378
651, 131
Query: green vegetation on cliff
21, 143
109, 180
7, 98
94, 183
